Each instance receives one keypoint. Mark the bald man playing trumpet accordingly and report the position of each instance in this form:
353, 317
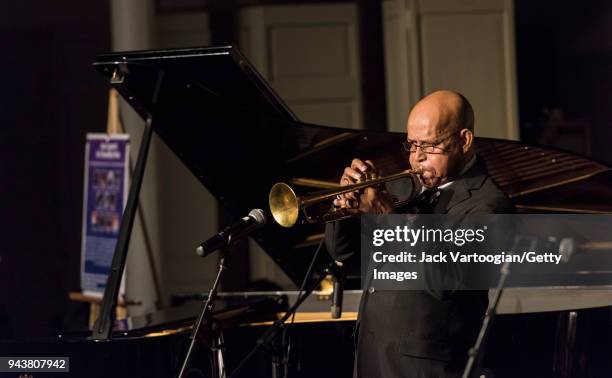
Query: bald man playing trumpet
416, 333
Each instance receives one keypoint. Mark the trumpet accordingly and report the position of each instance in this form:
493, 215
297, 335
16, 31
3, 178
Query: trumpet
285, 204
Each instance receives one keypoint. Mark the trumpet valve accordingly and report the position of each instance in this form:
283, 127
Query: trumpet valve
367, 176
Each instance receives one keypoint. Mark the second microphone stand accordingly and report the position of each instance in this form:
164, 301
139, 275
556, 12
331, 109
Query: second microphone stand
266, 339
475, 352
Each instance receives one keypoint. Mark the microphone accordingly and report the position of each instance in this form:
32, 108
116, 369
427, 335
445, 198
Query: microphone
338, 291
255, 220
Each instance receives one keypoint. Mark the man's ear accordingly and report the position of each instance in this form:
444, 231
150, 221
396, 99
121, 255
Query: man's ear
467, 138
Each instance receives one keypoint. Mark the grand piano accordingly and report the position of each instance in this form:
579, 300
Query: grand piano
215, 112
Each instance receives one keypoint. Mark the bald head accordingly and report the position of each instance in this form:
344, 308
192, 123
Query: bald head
444, 112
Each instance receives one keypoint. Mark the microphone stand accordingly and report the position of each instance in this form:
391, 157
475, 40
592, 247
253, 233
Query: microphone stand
475, 351
266, 339
206, 320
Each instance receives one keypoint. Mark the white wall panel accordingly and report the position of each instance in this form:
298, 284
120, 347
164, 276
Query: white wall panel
309, 54
462, 45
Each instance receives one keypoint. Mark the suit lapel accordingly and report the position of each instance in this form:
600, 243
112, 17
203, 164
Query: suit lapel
461, 189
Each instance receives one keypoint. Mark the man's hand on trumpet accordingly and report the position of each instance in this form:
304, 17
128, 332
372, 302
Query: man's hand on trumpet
372, 200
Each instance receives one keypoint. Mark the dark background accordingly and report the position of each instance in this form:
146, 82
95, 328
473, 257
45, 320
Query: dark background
51, 97
564, 59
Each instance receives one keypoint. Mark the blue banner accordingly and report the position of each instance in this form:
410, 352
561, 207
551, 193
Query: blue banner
105, 194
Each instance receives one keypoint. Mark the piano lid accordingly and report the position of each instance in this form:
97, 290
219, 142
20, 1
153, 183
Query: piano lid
224, 122
230, 129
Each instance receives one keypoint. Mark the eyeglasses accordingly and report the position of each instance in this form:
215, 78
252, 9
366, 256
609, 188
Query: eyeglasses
428, 148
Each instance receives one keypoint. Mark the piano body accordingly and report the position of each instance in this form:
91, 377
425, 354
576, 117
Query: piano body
215, 112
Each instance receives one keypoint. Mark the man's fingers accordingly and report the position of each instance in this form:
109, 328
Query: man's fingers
355, 172
357, 164
349, 195
370, 165
351, 174
372, 168
346, 203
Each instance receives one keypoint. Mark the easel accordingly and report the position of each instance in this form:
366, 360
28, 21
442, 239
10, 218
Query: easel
94, 306
114, 126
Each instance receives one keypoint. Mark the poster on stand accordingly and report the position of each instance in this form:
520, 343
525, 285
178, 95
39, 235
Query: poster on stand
105, 194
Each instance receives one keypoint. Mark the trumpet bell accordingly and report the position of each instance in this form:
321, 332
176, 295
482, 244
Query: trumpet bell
284, 205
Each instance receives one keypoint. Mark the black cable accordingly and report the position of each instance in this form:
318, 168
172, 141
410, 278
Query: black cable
304, 280
308, 272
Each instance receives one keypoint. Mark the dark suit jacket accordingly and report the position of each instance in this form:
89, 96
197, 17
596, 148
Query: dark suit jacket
414, 333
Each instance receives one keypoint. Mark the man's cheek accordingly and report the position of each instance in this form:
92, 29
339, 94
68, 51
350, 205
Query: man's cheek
440, 165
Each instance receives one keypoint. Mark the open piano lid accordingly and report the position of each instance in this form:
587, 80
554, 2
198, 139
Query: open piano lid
230, 129
223, 121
